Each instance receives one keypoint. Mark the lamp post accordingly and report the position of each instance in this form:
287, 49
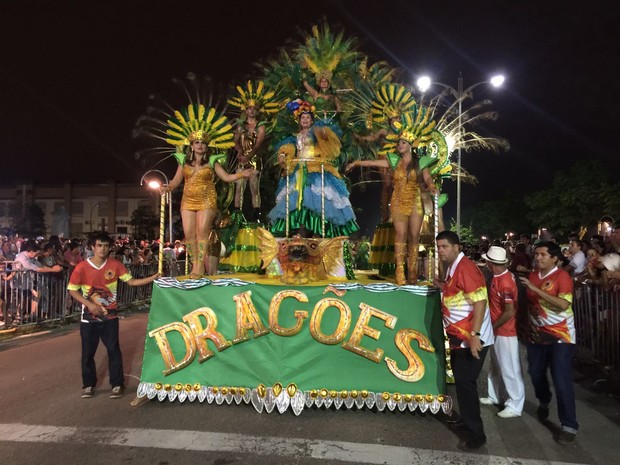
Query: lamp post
424, 83
165, 197
90, 220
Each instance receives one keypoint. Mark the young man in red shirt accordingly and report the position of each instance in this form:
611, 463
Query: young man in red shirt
552, 339
93, 283
505, 374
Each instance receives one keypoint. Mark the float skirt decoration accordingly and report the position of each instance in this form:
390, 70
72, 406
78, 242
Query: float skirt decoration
251, 339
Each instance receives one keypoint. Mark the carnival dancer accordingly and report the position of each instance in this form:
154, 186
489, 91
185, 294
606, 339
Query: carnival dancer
406, 207
257, 104
324, 99
201, 131
311, 187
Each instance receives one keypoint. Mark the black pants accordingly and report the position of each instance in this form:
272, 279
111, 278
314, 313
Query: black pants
107, 332
466, 369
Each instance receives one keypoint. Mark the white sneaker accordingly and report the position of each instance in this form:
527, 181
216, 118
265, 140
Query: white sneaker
486, 401
507, 413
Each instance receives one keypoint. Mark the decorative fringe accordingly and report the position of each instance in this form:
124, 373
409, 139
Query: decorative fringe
269, 398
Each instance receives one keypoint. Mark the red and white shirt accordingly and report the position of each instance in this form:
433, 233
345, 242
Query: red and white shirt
464, 285
551, 326
503, 291
98, 284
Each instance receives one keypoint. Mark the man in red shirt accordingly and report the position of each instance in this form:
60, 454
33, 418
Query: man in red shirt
552, 337
505, 374
93, 283
467, 323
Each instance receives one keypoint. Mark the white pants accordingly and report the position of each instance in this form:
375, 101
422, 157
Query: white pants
505, 376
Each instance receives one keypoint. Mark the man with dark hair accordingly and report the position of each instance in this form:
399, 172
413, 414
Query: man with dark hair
93, 283
552, 339
25, 263
578, 259
467, 321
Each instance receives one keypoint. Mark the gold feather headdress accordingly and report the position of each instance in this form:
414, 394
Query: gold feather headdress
196, 122
256, 95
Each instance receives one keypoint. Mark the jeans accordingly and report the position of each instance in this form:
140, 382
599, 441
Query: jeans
107, 332
558, 358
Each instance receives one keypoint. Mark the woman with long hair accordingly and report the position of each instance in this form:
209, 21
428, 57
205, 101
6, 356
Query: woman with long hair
406, 205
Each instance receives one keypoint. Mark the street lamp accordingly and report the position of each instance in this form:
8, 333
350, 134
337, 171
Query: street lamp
90, 220
154, 183
424, 83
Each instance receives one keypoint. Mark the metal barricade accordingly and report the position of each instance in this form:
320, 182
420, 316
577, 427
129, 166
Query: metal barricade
30, 298
597, 323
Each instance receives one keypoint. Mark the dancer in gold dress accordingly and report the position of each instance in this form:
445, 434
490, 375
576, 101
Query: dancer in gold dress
198, 168
406, 206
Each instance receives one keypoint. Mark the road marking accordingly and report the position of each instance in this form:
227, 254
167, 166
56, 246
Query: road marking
351, 452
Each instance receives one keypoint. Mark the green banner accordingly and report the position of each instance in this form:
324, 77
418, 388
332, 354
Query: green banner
260, 339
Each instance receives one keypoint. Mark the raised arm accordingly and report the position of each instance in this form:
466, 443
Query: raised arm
311, 90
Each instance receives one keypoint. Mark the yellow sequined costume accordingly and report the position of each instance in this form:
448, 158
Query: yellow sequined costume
199, 189
406, 195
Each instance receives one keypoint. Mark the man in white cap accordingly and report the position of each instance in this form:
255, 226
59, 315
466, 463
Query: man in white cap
505, 379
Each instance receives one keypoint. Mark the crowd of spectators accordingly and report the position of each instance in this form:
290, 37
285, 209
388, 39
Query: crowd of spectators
55, 254
593, 260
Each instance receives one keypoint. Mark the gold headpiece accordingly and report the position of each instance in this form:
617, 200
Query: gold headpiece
324, 74
197, 135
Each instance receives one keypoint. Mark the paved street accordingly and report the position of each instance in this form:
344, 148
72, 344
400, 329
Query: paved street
43, 420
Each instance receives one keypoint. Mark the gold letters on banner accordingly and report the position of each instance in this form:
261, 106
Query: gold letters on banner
247, 318
195, 335
344, 323
274, 310
415, 371
208, 332
362, 329
161, 337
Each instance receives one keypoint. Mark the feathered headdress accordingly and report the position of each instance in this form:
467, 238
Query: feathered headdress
391, 101
255, 95
200, 120
196, 122
326, 54
414, 127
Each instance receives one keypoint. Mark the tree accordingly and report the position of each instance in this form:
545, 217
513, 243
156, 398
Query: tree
27, 220
144, 222
495, 217
577, 198
467, 235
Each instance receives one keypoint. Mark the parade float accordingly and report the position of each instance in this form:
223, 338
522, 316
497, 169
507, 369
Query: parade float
288, 323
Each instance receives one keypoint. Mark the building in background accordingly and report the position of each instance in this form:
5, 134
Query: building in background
74, 210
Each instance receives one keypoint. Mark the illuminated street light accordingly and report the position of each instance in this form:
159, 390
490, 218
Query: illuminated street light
424, 83
152, 182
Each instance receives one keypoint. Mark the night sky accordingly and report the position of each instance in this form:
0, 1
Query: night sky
75, 76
